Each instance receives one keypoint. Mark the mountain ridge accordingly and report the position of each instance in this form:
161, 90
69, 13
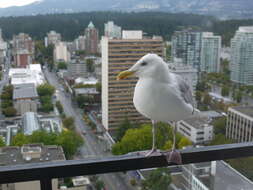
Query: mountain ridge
223, 9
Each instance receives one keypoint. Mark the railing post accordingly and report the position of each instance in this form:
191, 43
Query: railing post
46, 184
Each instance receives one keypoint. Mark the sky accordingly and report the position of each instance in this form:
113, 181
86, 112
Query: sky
8, 3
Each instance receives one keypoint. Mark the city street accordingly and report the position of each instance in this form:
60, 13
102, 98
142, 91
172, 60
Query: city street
92, 146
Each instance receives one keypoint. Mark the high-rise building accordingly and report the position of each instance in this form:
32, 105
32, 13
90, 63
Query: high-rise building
3, 48
241, 56
61, 52
52, 38
91, 42
186, 45
23, 50
112, 30
240, 123
118, 55
210, 52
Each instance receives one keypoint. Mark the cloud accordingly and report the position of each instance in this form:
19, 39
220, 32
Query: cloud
9, 3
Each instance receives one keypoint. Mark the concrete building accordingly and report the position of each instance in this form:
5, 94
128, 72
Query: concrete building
3, 48
80, 43
216, 175
186, 45
187, 72
31, 74
52, 38
118, 55
23, 50
33, 153
197, 129
25, 98
61, 52
210, 53
112, 30
240, 123
77, 68
241, 65
91, 42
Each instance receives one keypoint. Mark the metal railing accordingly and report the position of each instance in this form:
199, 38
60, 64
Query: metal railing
46, 171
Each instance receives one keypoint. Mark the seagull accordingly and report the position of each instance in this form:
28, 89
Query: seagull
161, 96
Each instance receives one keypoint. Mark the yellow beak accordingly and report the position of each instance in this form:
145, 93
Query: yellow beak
124, 74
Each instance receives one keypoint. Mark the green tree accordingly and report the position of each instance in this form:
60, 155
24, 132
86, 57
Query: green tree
99, 87
238, 96
225, 90
207, 99
2, 142
69, 123
158, 179
45, 90
59, 107
220, 139
70, 141
61, 65
42, 136
47, 107
9, 111
220, 125
99, 185
90, 65
184, 142
19, 140
123, 127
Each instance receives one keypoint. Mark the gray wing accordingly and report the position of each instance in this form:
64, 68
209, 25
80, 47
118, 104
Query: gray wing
185, 90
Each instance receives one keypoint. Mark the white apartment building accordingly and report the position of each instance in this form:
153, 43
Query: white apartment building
241, 65
240, 123
80, 43
197, 129
210, 52
112, 30
61, 52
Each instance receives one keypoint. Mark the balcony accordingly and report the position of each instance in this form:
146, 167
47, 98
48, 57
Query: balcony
45, 172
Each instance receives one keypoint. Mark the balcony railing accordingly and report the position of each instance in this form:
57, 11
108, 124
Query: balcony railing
45, 172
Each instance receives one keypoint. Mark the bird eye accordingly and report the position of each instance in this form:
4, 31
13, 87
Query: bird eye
143, 63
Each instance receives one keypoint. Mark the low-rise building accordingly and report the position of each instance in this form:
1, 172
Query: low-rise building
240, 123
77, 68
30, 122
25, 98
88, 92
197, 129
33, 153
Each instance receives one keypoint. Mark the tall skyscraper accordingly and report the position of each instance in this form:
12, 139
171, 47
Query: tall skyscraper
186, 45
118, 55
210, 52
91, 41
242, 56
112, 30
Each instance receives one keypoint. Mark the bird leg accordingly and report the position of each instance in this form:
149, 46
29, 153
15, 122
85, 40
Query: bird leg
153, 150
173, 156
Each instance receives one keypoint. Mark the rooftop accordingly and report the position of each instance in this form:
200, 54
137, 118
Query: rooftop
247, 110
246, 29
15, 155
24, 91
197, 121
30, 123
86, 91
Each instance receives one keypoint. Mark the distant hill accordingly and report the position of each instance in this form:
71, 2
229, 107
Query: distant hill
223, 9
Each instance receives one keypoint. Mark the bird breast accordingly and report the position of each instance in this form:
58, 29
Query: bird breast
159, 101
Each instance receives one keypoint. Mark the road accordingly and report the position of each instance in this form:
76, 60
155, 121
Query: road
92, 147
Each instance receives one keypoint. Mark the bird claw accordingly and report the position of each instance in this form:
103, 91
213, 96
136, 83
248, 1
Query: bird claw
173, 156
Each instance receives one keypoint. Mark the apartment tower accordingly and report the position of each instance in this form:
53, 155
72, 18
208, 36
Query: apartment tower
119, 55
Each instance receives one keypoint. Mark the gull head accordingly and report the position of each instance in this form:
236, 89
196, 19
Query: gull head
150, 65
